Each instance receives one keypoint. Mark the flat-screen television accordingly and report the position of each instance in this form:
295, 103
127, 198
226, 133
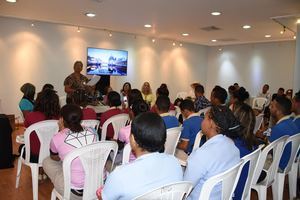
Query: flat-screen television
106, 62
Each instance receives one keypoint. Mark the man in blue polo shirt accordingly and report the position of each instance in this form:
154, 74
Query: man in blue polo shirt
162, 106
296, 109
191, 126
280, 109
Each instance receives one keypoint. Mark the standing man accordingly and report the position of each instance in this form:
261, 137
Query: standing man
75, 81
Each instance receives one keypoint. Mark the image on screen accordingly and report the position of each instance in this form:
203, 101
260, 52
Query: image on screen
106, 62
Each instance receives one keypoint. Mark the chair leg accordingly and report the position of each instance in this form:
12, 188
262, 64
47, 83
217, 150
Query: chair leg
53, 195
293, 180
277, 186
18, 171
35, 179
262, 193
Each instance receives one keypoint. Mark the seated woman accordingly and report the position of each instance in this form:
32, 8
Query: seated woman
79, 97
114, 101
246, 142
27, 102
147, 94
46, 107
125, 91
215, 156
238, 96
69, 125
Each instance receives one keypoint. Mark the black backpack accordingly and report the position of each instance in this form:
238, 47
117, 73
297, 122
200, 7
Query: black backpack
6, 150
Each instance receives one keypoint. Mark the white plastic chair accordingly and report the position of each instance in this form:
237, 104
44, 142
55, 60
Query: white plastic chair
182, 95
252, 159
258, 121
175, 191
261, 187
228, 179
178, 112
126, 154
62, 100
173, 135
197, 140
280, 176
91, 123
45, 131
259, 103
117, 121
93, 158
203, 111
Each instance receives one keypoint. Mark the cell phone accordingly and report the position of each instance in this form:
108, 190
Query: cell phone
125, 98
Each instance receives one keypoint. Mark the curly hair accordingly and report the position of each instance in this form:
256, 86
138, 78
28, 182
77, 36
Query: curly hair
47, 102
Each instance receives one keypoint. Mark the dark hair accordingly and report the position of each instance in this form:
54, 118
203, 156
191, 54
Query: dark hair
284, 105
77, 63
47, 102
245, 114
28, 90
235, 84
133, 96
163, 103
231, 89
297, 96
219, 93
281, 89
199, 89
178, 100
149, 132
163, 85
225, 120
48, 86
267, 85
162, 91
72, 115
139, 106
80, 97
241, 94
126, 83
187, 104
114, 99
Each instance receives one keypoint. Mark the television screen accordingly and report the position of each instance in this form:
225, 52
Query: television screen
106, 62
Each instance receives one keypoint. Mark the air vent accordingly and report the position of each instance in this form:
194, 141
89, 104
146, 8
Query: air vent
210, 28
227, 40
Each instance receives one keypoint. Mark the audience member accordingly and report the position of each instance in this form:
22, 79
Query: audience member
296, 109
162, 106
238, 96
114, 101
191, 93
151, 169
107, 90
80, 98
191, 126
27, 102
280, 109
264, 93
289, 94
280, 92
125, 91
218, 96
201, 101
69, 124
215, 156
162, 90
236, 85
246, 142
46, 107
231, 89
147, 94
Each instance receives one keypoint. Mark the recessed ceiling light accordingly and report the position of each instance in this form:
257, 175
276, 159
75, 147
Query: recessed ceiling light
213, 40
215, 13
153, 40
32, 24
174, 44
294, 37
180, 44
267, 36
185, 34
246, 26
11, 1
281, 32
147, 25
220, 49
90, 14
298, 21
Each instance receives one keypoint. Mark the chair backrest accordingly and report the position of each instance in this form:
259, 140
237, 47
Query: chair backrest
175, 191
173, 135
228, 179
91, 123
62, 100
252, 159
277, 148
45, 131
93, 158
182, 95
258, 121
172, 112
295, 141
126, 154
259, 103
117, 121
197, 140
203, 111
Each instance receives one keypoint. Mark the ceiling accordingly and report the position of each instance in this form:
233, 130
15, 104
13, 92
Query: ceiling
169, 18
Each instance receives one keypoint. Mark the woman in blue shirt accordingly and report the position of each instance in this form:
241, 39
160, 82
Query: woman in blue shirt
27, 102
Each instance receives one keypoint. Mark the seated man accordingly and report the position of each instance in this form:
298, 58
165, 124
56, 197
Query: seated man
218, 96
162, 106
280, 109
264, 93
296, 109
201, 101
191, 126
151, 169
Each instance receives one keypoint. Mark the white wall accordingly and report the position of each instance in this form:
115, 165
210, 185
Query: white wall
252, 65
46, 52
